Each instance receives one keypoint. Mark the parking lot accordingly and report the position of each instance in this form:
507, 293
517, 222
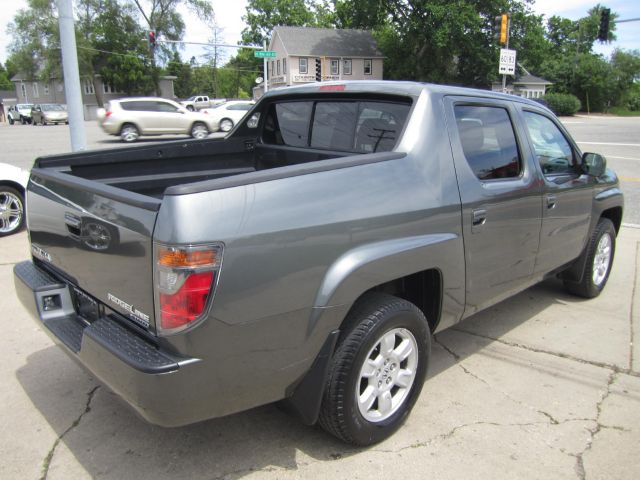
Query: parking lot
541, 386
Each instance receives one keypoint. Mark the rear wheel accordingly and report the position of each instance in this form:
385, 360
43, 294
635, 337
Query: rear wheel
377, 371
226, 124
11, 211
190, 108
11, 122
129, 133
199, 130
600, 251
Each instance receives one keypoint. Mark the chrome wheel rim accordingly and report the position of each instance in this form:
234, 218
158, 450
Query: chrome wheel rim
199, 131
10, 212
602, 259
98, 237
226, 125
129, 134
387, 375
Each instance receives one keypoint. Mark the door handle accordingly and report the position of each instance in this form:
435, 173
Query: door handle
551, 201
478, 219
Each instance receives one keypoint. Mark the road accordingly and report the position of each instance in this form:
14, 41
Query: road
543, 385
617, 138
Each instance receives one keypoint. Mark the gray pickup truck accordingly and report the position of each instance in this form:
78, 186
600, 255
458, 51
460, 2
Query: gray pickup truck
309, 255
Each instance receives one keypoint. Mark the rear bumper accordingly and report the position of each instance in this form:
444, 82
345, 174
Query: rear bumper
153, 382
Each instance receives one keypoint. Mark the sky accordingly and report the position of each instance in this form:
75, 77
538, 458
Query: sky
229, 18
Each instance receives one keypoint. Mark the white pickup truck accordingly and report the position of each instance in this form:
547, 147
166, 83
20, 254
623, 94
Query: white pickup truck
198, 102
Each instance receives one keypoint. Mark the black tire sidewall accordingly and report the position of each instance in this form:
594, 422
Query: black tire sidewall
359, 429
605, 226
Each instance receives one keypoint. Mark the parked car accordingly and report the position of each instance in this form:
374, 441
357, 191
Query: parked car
130, 118
46, 113
225, 116
13, 183
20, 113
310, 255
199, 102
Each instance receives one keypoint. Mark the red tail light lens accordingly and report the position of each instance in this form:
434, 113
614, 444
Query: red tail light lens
107, 113
185, 281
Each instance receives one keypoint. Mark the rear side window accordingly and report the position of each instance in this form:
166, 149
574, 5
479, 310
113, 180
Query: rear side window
240, 106
351, 126
488, 141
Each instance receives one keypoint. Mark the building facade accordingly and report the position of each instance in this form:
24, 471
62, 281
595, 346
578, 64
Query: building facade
305, 55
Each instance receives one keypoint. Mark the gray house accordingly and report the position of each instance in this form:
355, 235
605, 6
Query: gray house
52, 91
526, 85
305, 55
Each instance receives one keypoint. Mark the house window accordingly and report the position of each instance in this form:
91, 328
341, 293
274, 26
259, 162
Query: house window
108, 88
335, 66
23, 90
346, 66
278, 66
284, 66
87, 87
368, 69
35, 90
46, 89
302, 67
273, 68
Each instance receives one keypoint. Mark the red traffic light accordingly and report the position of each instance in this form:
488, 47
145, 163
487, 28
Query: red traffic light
152, 38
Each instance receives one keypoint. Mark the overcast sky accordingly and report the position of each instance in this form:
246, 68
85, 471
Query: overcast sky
229, 16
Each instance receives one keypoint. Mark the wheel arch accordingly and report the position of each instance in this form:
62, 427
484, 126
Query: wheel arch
16, 185
124, 124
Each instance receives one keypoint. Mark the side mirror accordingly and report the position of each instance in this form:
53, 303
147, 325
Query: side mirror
594, 164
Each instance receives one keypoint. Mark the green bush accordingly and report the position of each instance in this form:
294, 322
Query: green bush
562, 103
633, 102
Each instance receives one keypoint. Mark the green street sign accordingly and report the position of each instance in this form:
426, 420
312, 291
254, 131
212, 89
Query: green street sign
264, 54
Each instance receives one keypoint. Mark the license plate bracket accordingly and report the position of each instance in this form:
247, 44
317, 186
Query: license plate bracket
85, 306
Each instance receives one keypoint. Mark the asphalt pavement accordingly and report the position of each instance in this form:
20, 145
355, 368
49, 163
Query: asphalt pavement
541, 386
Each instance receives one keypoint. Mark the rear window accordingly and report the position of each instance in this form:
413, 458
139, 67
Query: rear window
352, 126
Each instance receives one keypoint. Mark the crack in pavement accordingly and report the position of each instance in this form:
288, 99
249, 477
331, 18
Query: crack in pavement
47, 461
579, 467
608, 366
458, 359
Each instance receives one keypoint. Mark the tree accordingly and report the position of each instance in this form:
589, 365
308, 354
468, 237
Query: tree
5, 82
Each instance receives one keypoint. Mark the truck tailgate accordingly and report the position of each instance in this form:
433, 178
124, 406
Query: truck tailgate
96, 237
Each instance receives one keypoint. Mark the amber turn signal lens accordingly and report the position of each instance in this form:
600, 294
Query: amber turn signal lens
175, 258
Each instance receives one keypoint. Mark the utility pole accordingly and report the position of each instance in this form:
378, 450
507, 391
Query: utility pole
71, 75
266, 69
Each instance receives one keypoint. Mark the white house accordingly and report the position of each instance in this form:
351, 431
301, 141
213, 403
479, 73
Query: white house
305, 55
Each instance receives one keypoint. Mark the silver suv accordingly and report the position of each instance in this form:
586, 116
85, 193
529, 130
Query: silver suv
131, 117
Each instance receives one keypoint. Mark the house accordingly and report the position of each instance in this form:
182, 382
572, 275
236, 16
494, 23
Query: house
305, 55
52, 91
526, 85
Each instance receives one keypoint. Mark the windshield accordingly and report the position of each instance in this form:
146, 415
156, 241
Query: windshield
191, 99
24, 106
53, 107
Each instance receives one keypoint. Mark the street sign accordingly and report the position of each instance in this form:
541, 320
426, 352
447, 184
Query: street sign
507, 62
264, 54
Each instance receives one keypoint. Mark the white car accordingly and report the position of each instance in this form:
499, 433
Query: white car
13, 183
225, 116
130, 118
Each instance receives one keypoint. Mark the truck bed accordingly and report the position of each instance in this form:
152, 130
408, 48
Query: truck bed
149, 171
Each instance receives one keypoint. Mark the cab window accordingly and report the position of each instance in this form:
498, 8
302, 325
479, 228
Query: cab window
553, 151
488, 141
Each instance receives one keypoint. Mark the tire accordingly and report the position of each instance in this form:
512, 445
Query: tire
600, 252
362, 376
11, 122
199, 130
11, 210
129, 133
226, 124
190, 108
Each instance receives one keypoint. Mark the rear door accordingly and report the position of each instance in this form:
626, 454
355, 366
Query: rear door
500, 192
96, 237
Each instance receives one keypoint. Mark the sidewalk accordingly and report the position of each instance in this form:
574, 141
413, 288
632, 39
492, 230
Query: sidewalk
541, 386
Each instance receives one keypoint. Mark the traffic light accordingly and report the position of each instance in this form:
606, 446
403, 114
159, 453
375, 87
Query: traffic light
603, 31
318, 70
502, 28
152, 40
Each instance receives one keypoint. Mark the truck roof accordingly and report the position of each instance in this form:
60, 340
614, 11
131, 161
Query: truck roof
393, 87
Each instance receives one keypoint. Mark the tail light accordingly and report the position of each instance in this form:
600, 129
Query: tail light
185, 281
107, 113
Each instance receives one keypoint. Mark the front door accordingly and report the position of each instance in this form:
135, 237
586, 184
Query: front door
500, 191
567, 193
